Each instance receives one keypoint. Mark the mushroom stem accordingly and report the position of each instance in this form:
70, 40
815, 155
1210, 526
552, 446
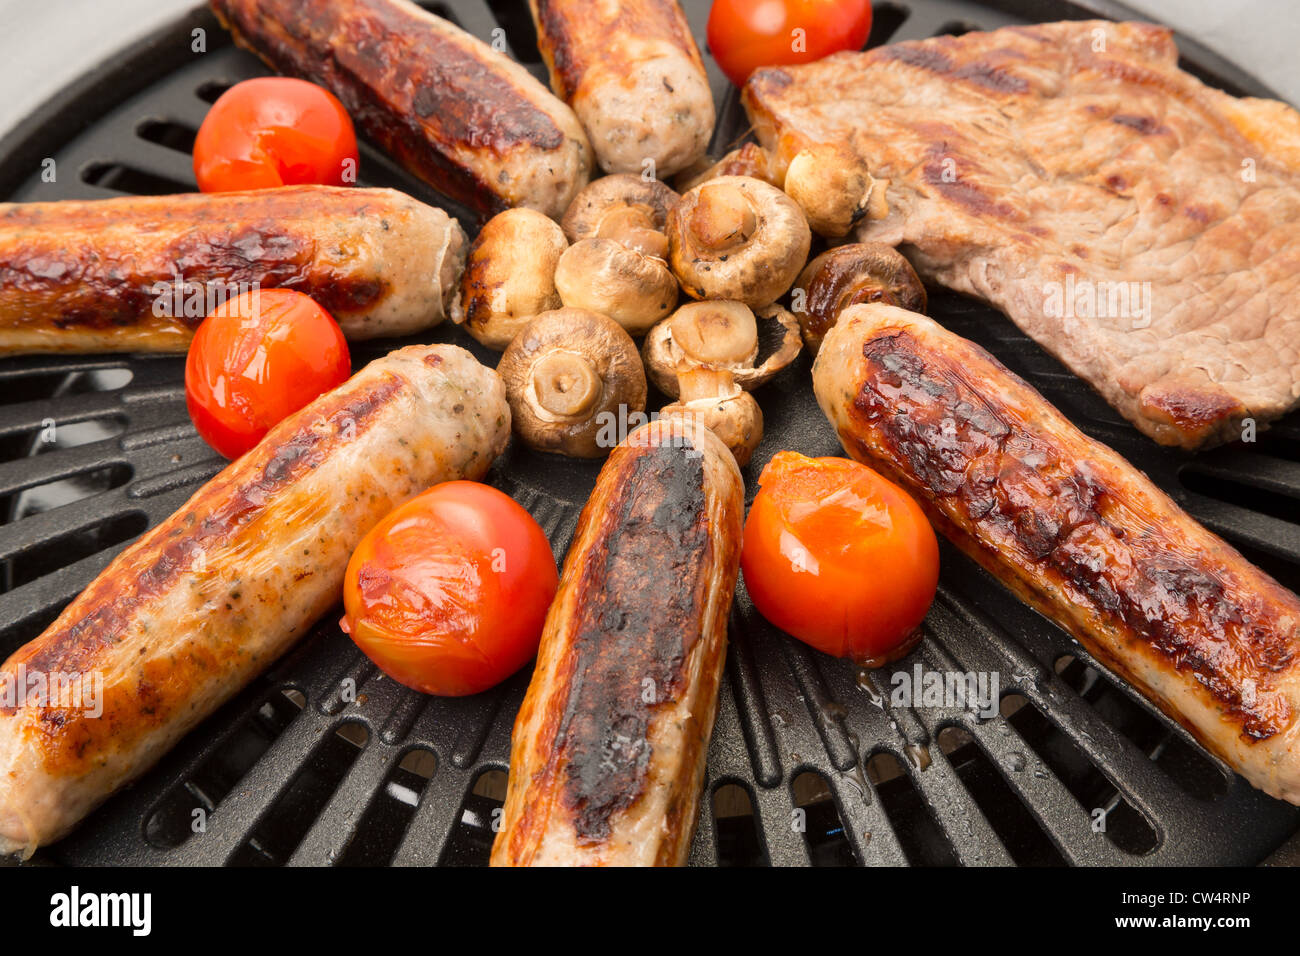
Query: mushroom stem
701, 382
565, 383
633, 225
723, 217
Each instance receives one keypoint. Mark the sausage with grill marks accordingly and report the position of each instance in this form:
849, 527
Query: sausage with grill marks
633, 74
1076, 531
197, 607
607, 756
140, 273
453, 111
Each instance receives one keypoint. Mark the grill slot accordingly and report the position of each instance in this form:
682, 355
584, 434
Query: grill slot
1105, 806
191, 802
1195, 773
381, 830
478, 821
819, 820
285, 824
923, 841
281, 786
736, 827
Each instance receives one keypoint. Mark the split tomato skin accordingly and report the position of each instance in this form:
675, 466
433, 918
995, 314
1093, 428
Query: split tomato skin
746, 34
839, 557
449, 593
258, 359
275, 131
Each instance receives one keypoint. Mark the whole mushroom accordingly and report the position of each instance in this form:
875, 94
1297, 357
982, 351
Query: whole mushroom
604, 275
735, 237
848, 275
500, 289
724, 335
569, 374
834, 188
713, 398
625, 207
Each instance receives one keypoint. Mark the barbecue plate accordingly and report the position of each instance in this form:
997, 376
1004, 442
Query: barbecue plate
325, 761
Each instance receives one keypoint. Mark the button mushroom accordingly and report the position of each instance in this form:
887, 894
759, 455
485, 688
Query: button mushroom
502, 289
713, 398
606, 276
726, 335
738, 238
848, 275
569, 374
625, 207
833, 187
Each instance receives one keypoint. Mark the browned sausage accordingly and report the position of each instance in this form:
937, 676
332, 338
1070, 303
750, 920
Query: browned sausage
1076, 531
608, 751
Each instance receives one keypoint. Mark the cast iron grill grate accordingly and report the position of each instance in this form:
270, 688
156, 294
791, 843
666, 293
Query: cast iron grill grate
325, 761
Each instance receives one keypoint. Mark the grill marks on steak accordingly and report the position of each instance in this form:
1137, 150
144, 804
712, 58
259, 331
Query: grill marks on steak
1076, 156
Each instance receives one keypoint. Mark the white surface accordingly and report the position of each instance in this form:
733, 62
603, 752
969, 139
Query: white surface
47, 44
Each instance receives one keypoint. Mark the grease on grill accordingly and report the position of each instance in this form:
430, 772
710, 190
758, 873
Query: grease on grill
636, 612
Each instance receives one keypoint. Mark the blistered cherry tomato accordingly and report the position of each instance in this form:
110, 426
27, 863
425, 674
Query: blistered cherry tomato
746, 34
839, 557
257, 359
448, 593
275, 131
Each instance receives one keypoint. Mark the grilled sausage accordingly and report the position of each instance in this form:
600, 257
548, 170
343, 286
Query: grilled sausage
608, 751
1076, 531
467, 120
140, 273
190, 613
632, 73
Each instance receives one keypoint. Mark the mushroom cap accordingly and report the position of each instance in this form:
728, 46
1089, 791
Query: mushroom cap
626, 207
833, 186
715, 400
501, 290
566, 373
752, 346
851, 274
736, 237
605, 276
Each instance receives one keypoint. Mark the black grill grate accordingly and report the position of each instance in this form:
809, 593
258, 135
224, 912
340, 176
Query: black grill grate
324, 760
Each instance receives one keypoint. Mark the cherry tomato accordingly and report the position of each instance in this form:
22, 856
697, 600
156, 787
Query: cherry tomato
258, 359
275, 131
448, 594
839, 557
746, 34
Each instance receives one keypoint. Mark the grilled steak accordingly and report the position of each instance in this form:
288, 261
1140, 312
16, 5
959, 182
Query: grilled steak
1139, 225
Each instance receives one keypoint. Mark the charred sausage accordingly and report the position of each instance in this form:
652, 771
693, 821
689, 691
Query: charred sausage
1076, 531
140, 273
190, 613
466, 119
608, 750
632, 73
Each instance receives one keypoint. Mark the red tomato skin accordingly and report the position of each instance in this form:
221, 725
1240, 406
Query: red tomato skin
866, 604
744, 35
255, 361
275, 131
449, 593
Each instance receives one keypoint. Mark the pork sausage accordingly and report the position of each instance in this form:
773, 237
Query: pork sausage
140, 273
1076, 531
607, 756
453, 111
633, 74
196, 608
